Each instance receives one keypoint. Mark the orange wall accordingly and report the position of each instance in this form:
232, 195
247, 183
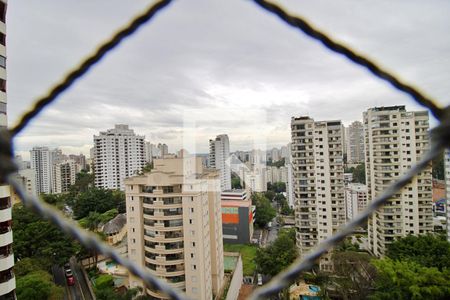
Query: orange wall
230, 218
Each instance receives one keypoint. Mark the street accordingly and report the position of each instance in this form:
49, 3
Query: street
78, 291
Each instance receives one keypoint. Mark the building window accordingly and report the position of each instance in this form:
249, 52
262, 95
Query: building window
2, 39
3, 84
2, 12
194, 267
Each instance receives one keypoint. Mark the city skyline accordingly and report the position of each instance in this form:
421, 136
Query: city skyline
213, 75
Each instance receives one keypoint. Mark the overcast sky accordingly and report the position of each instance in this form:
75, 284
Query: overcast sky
203, 67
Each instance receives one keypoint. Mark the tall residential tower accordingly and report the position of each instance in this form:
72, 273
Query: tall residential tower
395, 140
318, 173
118, 153
175, 226
219, 155
7, 280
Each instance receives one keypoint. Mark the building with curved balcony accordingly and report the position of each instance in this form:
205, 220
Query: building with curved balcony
175, 226
7, 280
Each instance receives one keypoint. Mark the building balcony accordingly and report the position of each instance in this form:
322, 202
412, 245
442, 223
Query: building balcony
6, 238
6, 262
8, 286
5, 214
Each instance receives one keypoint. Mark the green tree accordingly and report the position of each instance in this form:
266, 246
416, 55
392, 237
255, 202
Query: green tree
285, 208
409, 280
27, 265
359, 174
83, 182
426, 250
147, 168
40, 239
278, 255
236, 183
264, 210
270, 195
277, 187
353, 274
98, 200
38, 285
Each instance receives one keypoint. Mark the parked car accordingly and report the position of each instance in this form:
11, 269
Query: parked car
260, 280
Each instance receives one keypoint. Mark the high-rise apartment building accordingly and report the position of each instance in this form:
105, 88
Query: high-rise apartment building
7, 280
318, 173
64, 175
175, 226
163, 150
238, 216
355, 152
447, 187
219, 155
118, 154
41, 162
395, 140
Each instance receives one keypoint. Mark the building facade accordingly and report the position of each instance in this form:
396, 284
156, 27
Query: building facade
41, 162
7, 280
447, 186
175, 226
355, 152
395, 140
64, 175
238, 216
355, 199
219, 155
118, 154
318, 172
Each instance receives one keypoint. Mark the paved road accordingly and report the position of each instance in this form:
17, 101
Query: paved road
82, 290
79, 291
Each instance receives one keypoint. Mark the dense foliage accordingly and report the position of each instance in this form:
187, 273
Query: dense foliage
38, 285
264, 210
426, 250
98, 200
37, 238
278, 255
409, 280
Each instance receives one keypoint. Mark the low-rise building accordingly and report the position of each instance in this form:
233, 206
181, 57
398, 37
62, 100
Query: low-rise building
237, 216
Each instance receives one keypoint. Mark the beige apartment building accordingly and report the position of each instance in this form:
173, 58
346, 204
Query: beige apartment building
318, 175
395, 140
175, 226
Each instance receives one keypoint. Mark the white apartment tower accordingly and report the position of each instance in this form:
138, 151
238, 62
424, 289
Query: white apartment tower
175, 226
7, 279
219, 154
118, 154
355, 151
395, 140
41, 162
318, 174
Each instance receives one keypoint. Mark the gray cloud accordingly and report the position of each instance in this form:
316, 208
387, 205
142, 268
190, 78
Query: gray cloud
226, 65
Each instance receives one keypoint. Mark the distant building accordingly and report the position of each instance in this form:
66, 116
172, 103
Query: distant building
42, 159
64, 175
348, 178
163, 150
237, 216
118, 154
355, 199
447, 184
395, 140
175, 226
355, 143
219, 155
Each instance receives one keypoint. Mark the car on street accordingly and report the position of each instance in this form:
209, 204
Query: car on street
70, 280
69, 275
